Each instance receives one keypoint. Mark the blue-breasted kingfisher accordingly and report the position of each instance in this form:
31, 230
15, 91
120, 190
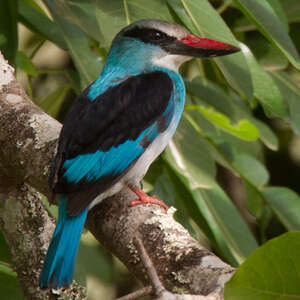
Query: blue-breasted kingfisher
116, 128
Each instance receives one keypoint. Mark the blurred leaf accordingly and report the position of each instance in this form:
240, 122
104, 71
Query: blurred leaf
291, 93
266, 135
243, 129
33, 17
114, 15
202, 16
163, 190
265, 89
51, 209
294, 33
286, 205
5, 254
242, 24
53, 102
90, 251
271, 272
264, 222
174, 195
209, 93
278, 9
9, 284
292, 10
251, 169
244, 165
215, 214
87, 63
267, 55
24, 63
74, 79
241, 163
8, 28
3, 39
33, 4
185, 203
254, 199
189, 154
83, 14
234, 239
266, 20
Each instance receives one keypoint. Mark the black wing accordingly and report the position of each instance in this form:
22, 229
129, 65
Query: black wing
120, 114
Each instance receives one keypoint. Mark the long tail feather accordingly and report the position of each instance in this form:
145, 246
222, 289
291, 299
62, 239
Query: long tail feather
59, 263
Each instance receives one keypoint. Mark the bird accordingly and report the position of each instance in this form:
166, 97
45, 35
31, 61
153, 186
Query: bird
117, 127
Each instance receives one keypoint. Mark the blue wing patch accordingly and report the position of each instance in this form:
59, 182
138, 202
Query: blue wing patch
93, 166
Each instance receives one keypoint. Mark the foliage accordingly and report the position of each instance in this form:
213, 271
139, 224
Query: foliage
262, 277
236, 107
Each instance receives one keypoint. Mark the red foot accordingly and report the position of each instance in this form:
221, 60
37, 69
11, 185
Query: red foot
144, 198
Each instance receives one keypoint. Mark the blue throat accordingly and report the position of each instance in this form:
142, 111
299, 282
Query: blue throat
127, 57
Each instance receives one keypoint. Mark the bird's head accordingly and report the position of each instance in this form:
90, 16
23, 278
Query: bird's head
165, 44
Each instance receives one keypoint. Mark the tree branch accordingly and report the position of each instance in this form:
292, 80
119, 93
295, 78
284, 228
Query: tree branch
28, 139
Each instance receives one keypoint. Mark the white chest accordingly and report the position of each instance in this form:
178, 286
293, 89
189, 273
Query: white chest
138, 171
140, 168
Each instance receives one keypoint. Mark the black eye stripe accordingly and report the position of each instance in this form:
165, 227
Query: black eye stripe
149, 35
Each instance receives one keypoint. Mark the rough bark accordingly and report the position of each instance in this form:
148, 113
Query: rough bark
28, 139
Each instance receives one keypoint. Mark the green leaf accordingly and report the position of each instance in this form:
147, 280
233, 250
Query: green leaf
173, 192
262, 14
267, 55
53, 102
271, 272
291, 92
266, 135
114, 15
202, 16
9, 284
2, 39
255, 201
24, 63
286, 205
218, 218
33, 17
83, 14
209, 93
234, 240
189, 154
251, 169
242, 163
243, 129
278, 9
8, 28
90, 251
265, 89
292, 10
5, 254
87, 63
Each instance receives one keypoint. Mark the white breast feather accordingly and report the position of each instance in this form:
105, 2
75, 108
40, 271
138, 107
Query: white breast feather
140, 168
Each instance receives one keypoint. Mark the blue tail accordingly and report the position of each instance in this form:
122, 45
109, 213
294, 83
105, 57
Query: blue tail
60, 259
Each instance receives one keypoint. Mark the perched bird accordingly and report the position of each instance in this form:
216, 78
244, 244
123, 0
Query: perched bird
117, 127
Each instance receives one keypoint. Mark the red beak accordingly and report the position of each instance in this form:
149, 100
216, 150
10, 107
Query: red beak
204, 43
195, 46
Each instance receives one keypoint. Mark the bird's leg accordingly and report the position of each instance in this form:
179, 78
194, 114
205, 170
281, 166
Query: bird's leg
144, 198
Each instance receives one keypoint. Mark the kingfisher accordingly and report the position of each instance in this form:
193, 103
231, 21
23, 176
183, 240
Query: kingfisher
117, 127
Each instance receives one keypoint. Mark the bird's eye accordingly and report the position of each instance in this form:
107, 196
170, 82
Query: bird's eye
156, 35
